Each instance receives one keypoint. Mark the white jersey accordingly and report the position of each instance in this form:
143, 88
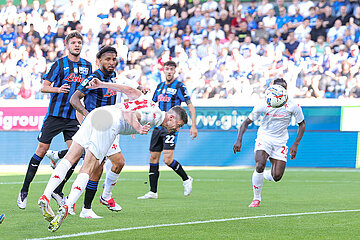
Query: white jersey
148, 110
100, 128
276, 120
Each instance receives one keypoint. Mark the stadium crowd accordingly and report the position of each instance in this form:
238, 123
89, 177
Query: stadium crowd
224, 49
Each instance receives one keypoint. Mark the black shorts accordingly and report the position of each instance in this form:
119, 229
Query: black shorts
52, 126
162, 140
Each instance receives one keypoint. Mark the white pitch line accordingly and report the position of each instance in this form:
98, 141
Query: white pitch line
202, 180
192, 223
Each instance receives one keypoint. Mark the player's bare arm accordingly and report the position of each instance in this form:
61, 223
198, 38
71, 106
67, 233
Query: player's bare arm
133, 119
193, 129
242, 130
76, 103
48, 88
300, 134
130, 92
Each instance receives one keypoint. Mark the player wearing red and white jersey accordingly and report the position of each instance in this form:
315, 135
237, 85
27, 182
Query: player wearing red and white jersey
271, 140
96, 136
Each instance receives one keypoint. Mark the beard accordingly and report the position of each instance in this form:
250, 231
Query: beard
74, 54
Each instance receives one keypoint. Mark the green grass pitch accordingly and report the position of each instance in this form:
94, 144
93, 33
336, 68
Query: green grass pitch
217, 194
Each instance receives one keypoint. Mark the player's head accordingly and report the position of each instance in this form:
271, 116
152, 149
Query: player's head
177, 117
281, 82
107, 59
74, 41
169, 70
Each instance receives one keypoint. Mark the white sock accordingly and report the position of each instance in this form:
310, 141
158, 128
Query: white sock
108, 165
268, 176
77, 188
57, 177
257, 181
110, 181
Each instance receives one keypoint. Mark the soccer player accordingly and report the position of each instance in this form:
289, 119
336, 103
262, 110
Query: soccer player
2, 217
96, 136
271, 141
94, 98
169, 94
64, 76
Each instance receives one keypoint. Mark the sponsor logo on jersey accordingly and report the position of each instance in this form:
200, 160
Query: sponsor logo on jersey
110, 93
73, 78
171, 91
162, 98
275, 115
83, 70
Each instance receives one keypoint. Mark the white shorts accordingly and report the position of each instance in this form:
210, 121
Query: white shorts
278, 152
101, 142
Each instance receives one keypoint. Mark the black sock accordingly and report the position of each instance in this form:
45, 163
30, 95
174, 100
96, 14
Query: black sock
154, 176
90, 191
176, 166
62, 153
31, 171
67, 177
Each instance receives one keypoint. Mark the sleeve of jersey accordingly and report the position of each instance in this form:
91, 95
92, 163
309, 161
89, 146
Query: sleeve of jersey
155, 96
256, 112
183, 94
82, 87
298, 113
52, 73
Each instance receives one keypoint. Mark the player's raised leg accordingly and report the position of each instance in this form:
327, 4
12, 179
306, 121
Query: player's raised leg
277, 170
55, 156
78, 187
57, 177
258, 176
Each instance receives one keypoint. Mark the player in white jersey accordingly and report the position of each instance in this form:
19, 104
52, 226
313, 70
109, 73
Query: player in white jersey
96, 136
271, 141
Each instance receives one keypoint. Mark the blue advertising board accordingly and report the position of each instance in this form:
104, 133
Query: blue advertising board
323, 144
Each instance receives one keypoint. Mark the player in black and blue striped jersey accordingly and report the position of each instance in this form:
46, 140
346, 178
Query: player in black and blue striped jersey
94, 98
61, 81
169, 94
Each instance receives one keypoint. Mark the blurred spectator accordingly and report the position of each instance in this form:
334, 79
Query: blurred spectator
210, 7
233, 50
344, 16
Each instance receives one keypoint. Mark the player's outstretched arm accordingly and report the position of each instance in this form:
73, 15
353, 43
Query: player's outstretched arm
300, 134
193, 130
130, 92
132, 119
242, 130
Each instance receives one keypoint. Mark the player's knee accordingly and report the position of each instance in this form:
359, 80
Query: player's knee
41, 149
118, 165
260, 167
277, 177
168, 160
154, 158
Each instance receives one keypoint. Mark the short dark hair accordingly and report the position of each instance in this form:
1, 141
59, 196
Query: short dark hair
105, 50
181, 113
280, 81
170, 64
73, 34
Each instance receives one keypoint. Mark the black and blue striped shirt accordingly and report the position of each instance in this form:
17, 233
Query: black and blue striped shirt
64, 71
95, 98
170, 95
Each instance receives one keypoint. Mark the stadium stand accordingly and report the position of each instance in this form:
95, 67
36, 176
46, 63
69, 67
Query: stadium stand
224, 49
